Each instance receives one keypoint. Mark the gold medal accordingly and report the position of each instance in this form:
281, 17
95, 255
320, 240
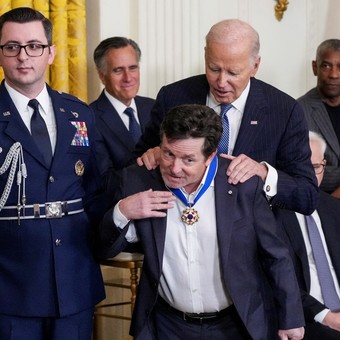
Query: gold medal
79, 168
189, 216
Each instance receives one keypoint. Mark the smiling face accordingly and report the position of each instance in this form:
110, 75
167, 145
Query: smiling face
327, 70
228, 69
182, 163
120, 73
26, 74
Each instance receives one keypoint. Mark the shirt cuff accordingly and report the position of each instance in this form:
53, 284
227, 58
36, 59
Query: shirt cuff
270, 185
320, 316
121, 221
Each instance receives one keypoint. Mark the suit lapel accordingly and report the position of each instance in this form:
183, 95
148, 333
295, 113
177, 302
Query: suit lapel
293, 231
254, 117
320, 115
225, 200
111, 119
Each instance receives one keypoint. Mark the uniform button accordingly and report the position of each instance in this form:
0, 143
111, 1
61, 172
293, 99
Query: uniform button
57, 242
51, 179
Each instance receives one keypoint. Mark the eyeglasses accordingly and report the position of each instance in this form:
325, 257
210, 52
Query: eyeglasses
32, 50
319, 168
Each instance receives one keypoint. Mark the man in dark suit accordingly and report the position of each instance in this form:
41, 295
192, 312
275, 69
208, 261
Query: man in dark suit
268, 136
322, 320
322, 109
117, 60
49, 280
210, 248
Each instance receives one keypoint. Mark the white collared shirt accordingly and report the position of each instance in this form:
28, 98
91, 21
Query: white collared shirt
235, 115
315, 289
45, 108
120, 108
191, 275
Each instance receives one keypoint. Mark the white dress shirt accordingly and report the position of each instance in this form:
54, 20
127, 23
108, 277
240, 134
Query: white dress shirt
315, 289
235, 115
191, 276
45, 108
120, 108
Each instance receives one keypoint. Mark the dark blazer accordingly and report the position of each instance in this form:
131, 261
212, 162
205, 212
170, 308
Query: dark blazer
273, 129
116, 144
318, 120
47, 265
329, 212
247, 237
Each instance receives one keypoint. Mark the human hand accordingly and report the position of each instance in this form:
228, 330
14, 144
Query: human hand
291, 334
243, 167
150, 158
146, 204
332, 320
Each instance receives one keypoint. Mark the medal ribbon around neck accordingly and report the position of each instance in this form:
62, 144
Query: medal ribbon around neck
189, 214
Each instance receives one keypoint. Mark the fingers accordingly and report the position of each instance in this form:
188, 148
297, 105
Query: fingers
150, 158
146, 204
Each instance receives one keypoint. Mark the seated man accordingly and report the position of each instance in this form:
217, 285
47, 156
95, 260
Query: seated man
321, 309
215, 266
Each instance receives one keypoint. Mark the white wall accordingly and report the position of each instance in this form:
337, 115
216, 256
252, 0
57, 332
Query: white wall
171, 36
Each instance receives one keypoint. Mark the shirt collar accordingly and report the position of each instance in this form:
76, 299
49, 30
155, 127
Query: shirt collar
239, 104
118, 105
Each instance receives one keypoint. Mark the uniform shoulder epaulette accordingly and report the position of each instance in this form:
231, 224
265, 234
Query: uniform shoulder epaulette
72, 98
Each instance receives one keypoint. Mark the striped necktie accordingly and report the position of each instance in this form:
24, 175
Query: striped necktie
223, 145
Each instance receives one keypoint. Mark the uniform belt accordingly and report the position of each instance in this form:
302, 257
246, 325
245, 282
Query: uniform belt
198, 318
56, 209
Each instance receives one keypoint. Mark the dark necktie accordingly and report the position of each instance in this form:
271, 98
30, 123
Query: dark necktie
39, 132
330, 296
223, 145
134, 127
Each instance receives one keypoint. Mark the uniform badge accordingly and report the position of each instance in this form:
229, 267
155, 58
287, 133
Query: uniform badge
79, 168
81, 137
75, 114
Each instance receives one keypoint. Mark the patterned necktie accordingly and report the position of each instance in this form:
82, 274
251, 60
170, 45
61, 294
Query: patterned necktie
223, 145
330, 296
40, 133
134, 127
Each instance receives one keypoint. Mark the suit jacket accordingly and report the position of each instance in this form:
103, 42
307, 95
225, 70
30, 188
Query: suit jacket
116, 147
247, 238
328, 211
47, 265
273, 129
318, 120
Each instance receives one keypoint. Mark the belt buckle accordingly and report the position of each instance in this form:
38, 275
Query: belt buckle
53, 210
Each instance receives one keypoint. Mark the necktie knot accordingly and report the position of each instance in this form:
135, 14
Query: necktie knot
225, 108
34, 104
129, 112
134, 128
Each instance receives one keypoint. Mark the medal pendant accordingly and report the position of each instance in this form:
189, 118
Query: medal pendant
189, 216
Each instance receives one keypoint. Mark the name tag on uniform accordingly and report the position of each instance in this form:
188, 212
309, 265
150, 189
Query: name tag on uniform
80, 138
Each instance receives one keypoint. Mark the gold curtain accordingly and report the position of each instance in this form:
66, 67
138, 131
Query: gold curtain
68, 73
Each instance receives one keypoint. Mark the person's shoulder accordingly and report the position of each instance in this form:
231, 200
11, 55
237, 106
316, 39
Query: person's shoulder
200, 79
70, 98
309, 96
144, 100
270, 90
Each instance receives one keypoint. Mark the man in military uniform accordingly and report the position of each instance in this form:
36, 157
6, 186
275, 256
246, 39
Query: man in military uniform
49, 279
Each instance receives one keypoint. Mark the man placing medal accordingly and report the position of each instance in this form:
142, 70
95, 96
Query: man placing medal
210, 247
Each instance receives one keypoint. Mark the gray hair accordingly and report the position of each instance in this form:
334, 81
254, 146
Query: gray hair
316, 137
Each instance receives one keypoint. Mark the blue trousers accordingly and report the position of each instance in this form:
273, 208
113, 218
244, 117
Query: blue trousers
73, 327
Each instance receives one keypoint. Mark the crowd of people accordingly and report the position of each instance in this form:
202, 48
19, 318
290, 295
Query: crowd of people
228, 186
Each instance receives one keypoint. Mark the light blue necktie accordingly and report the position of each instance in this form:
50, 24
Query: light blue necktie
223, 145
330, 296
134, 127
